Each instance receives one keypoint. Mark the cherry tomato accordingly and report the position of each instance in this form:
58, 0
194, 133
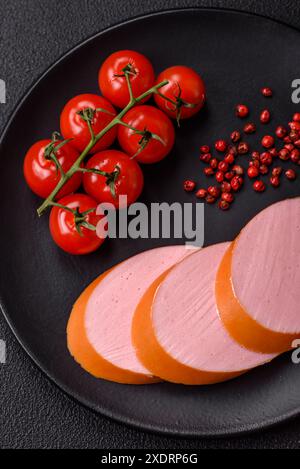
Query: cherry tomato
73, 125
147, 120
112, 80
41, 172
125, 177
185, 88
63, 227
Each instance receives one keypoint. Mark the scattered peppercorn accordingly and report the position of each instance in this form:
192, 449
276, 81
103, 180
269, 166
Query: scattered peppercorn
289, 146
214, 163
297, 143
281, 132
263, 169
259, 186
229, 175
237, 169
291, 174
243, 148
277, 171
225, 186
275, 181
253, 172
223, 205
232, 149
265, 116
294, 135
201, 193
204, 149
210, 199
235, 136
294, 125
208, 171
255, 155
255, 163
284, 154
266, 158
267, 141
228, 197
295, 155
273, 152
235, 183
229, 158
219, 176
267, 92
189, 185
205, 157
214, 191
250, 128
287, 139
221, 146
223, 166
242, 110
296, 117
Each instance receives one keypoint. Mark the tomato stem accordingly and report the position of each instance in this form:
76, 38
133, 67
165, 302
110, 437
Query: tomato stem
178, 104
64, 207
131, 97
146, 136
111, 178
76, 166
79, 217
167, 99
94, 171
105, 111
52, 149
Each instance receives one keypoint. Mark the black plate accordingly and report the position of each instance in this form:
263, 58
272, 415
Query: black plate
236, 54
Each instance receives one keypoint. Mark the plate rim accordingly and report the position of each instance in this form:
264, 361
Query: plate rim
231, 431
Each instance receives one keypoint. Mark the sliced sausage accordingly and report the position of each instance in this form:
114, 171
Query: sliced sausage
176, 329
258, 284
99, 329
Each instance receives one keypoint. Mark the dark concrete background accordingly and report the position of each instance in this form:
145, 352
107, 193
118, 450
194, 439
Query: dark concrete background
33, 412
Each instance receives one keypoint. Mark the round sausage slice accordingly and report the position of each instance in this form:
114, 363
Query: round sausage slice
258, 284
99, 328
177, 331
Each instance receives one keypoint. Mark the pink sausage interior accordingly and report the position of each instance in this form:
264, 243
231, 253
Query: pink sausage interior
112, 304
266, 267
186, 321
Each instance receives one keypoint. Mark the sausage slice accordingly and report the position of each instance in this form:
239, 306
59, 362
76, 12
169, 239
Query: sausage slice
258, 283
176, 329
99, 329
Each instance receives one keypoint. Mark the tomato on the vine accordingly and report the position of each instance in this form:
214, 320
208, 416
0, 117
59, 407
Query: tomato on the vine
76, 113
123, 177
151, 136
185, 92
74, 228
43, 164
112, 77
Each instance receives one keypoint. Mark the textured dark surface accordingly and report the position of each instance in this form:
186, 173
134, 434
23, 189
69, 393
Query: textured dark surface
33, 412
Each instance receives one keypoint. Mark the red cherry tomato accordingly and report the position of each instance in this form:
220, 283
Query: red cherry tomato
149, 120
185, 88
72, 125
112, 81
42, 174
126, 178
63, 227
